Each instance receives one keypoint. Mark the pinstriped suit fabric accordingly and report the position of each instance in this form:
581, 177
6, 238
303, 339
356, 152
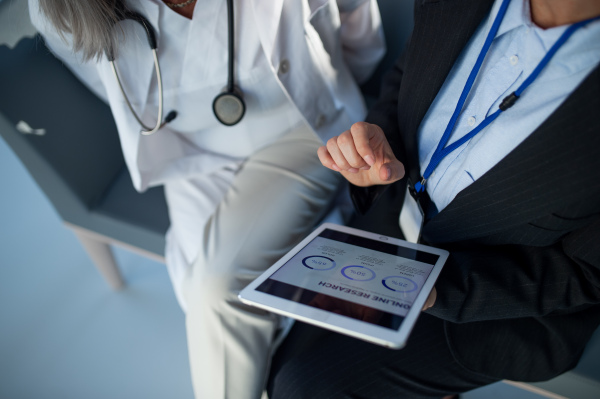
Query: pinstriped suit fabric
348, 368
520, 294
549, 170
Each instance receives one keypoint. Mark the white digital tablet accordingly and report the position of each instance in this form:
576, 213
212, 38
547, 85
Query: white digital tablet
351, 281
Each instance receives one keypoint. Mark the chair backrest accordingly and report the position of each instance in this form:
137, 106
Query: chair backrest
397, 21
78, 162
79, 155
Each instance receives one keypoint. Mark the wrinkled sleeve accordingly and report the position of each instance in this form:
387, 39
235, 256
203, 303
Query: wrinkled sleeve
362, 37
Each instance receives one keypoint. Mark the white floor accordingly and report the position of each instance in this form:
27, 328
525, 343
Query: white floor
63, 332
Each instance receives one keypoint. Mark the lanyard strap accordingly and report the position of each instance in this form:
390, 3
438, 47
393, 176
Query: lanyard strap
442, 150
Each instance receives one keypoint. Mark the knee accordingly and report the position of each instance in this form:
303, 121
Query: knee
212, 286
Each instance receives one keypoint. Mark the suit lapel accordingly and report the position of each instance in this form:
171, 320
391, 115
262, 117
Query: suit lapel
555, 164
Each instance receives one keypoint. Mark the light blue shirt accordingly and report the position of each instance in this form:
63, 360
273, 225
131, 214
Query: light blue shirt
515, 52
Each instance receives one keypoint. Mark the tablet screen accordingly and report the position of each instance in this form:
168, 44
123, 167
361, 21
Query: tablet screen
373, 281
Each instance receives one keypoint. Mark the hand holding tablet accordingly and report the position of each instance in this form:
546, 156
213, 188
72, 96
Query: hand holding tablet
362, 284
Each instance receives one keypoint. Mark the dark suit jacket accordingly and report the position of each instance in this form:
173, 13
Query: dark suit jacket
520, 292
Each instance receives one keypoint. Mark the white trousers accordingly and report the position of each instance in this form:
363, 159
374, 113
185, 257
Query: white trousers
275, 200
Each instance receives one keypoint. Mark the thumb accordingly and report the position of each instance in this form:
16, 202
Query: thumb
430, 299
391, 171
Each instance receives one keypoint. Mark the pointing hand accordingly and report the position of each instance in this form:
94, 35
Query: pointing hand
363, 156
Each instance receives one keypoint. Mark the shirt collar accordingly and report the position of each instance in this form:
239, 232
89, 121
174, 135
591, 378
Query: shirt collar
517, 15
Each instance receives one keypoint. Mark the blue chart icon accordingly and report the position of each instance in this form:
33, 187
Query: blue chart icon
399, 284
358, 273
318, 263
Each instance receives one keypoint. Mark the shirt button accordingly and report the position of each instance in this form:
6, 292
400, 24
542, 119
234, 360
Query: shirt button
471, 120
284, 66
321, 119
514, 60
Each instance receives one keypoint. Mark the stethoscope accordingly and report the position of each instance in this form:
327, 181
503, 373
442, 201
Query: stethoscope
228, 106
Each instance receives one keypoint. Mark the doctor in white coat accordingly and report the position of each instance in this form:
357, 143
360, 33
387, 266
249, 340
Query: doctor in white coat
239, 196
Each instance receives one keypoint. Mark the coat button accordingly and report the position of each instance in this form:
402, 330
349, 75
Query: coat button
284, 66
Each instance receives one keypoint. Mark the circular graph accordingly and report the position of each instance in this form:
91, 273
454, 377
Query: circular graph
318, 263
358, 273
399, 284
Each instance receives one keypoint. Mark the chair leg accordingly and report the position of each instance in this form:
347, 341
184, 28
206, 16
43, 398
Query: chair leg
102, 257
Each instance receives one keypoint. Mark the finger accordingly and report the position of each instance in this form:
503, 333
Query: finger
338, 157
430, 299
391, 171
326, 159
362, 133
345, 143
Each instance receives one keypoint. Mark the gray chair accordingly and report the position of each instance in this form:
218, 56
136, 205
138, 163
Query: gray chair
77, 162
397, 21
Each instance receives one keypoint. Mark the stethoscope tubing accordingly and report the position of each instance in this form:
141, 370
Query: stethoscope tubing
230, 45
230, 93
146, 131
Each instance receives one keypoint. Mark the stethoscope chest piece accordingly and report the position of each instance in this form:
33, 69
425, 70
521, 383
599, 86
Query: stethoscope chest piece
229, 107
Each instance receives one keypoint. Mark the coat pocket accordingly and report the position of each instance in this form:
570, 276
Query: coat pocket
551, 228
562, 222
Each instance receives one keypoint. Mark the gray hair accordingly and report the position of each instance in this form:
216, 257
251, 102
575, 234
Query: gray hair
90, 23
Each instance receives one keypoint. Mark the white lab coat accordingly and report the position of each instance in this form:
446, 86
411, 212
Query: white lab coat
326, 60
323, 60
298, 63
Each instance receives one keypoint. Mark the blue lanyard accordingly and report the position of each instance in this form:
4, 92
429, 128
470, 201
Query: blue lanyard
442, 150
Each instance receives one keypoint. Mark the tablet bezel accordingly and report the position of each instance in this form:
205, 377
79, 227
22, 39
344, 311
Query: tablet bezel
339, 323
